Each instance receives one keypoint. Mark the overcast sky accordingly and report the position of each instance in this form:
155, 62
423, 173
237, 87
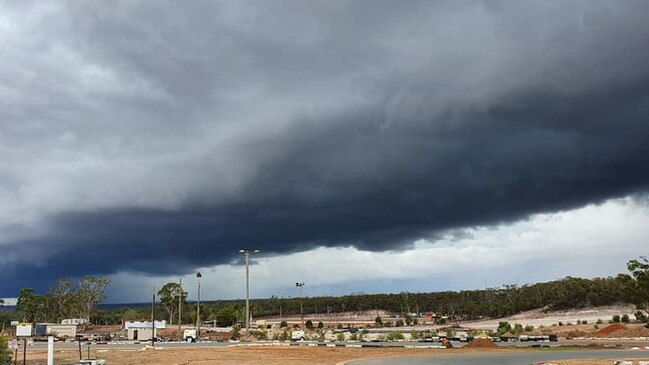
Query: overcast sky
362, 146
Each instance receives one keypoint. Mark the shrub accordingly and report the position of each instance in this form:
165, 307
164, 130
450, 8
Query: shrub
378, 321
259, 335
584, 322
599, 321
5, 354
340, 337
308, 324
398, 323
320, 324
503, 327
284, 336
625, 318
353, 337
394, 336
415, 335
518, 329
616, 318
407, 320
283, 324
596, 327
560, 323
236, 332
529, 328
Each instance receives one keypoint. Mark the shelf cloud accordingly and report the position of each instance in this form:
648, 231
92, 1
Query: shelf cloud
155, 137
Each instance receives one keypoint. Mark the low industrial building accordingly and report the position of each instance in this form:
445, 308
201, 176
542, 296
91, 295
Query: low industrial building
57, 330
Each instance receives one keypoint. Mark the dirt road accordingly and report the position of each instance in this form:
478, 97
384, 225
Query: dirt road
271, 355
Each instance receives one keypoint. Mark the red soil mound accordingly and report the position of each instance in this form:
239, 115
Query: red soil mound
609, 329
481, 343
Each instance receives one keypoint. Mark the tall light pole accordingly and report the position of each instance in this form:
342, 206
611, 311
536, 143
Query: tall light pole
299, 287
246, 253
198, 309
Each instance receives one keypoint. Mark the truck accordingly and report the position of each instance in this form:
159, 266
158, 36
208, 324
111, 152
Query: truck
190, 335
297, 336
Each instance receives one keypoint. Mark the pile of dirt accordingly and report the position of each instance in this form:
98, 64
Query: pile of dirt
606, 331
629, 330
481, 343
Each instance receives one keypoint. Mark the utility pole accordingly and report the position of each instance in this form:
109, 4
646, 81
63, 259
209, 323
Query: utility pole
198, 309
299, 287
180, 306
153, 318
246, 253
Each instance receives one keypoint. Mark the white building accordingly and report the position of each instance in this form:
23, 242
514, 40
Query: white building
76, 321
143, 324
140, 334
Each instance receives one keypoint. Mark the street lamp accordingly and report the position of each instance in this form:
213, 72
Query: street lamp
198, 309
246, 253
299, 287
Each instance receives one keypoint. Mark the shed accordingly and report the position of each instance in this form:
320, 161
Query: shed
141, 334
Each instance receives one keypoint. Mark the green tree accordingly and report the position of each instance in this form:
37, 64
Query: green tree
92, 290
63, 301
320, 324
308, 324
227, 316
5, 353
637, 287
169, 295
28, 305
132, 315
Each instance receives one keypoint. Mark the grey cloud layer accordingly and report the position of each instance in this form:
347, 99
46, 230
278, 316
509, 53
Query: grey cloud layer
147, 132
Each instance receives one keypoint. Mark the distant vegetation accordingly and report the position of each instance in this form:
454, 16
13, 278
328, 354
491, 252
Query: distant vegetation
566, 293
67, 301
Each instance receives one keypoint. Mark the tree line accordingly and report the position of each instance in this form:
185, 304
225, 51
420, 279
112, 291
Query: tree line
65, 300
68, 301
566, 293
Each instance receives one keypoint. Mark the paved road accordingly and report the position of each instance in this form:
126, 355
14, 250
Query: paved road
125, 345
509, 358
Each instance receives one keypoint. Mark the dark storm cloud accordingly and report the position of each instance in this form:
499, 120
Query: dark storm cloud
162, 136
